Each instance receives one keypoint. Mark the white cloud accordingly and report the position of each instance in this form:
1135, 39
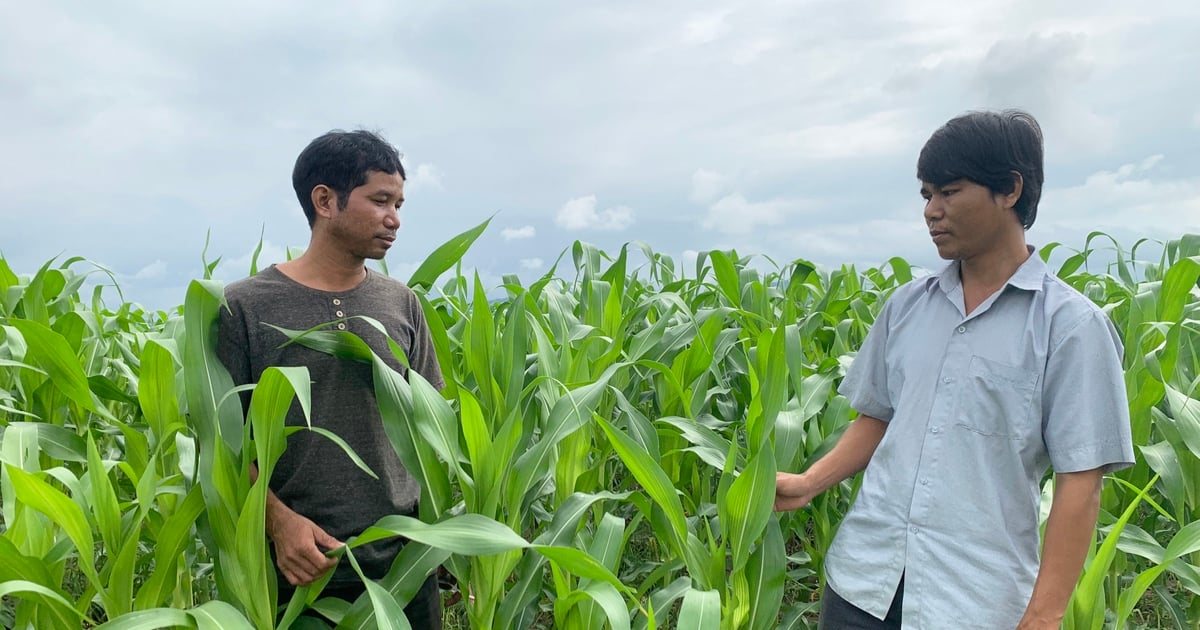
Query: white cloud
425, 176
1133, 200
687, 261
153, 271
751, 51
512, 234
1042, 73
734, 214
705, 28
843, 242
403, 270
824, 104
532, 263
706, 185
884, 133
580, 214
232, 269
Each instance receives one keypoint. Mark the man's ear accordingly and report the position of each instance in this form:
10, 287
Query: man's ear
1010, 200
325, 201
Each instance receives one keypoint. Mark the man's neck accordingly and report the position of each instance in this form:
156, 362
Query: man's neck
987, 273
325, 270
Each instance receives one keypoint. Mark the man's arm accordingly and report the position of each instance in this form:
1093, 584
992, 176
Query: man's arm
1068, 535
297, 541
849, 457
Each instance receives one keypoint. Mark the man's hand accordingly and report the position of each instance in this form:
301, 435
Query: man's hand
793, 491
298, 546
848, 457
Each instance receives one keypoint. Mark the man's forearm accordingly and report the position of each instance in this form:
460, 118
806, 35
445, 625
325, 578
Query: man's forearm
1069, 530
275, 507
851, 454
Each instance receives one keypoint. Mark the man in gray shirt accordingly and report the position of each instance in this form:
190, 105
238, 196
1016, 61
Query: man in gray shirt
971, 384
351, 186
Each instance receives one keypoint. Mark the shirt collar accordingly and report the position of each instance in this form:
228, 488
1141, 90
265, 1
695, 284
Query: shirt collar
1028, 276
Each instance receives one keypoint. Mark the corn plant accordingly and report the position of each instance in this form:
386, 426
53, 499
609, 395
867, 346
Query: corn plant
601, 456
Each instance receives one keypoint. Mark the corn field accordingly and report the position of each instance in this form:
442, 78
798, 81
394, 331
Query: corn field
603, 454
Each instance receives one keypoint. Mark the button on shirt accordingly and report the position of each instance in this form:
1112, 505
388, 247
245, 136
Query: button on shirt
978, 408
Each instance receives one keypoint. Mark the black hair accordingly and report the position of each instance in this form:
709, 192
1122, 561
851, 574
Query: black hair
341, 160
987, 147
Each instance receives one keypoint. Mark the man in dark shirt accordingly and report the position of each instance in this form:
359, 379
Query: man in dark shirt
351, 186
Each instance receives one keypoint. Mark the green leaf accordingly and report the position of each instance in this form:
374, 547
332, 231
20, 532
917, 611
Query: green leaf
656, 484
51, 352
102, 500
748, 505
569, 413
218, 615
173, 537
1083, 614
389, 613
766, 575
277, 388
445, 256
62, 608
408, 573
156, 388
346, 448
67, 514
468, 534
701, 610
150, 620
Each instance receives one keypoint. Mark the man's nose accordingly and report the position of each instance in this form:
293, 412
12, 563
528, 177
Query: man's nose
392, 220
933, 210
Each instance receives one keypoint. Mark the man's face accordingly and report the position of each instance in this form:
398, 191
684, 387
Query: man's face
366, 227
966, 219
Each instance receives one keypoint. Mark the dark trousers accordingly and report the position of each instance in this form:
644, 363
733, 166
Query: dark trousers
839, 614
424, 612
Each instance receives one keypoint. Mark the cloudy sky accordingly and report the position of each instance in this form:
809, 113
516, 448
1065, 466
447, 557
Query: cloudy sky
129, 130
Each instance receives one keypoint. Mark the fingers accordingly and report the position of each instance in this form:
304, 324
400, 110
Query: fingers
302, 570
791, 493
325, 540
299, 558
783, 503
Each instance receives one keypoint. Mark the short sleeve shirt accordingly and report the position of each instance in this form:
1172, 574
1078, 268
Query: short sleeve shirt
978, 408
315, 477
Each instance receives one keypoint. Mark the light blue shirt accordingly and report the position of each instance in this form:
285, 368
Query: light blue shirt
978, 408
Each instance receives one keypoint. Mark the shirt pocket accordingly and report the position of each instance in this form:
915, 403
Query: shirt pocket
997, 398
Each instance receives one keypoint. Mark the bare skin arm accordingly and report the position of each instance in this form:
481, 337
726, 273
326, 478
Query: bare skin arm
298, 541
1068, 535
849, 457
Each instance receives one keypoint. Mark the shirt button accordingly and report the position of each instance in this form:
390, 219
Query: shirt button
948, 380
924, 482
336, 302
962, 329
912, 529
342, 326
933, 430
340, 314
